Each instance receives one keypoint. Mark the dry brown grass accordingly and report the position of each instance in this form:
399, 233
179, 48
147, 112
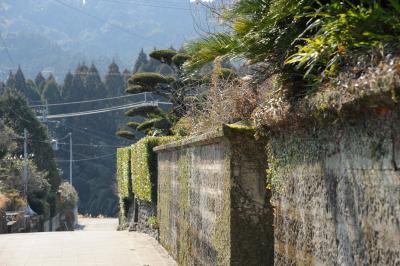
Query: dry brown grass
227, 101
3, 201
357, 89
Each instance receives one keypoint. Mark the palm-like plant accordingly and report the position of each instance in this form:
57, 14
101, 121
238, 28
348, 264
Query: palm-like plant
258, 29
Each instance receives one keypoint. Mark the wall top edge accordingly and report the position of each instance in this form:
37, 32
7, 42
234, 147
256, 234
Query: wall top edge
208, 137
225, 131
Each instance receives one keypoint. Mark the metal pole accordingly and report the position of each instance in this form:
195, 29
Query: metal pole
70, 158
26, 164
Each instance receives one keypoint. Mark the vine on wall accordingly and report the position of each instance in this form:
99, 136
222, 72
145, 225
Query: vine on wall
144, 167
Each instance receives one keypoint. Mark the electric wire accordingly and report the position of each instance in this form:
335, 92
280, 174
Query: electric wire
88, 159
108, 22
93, 145
145, 4
105, 110
86, 101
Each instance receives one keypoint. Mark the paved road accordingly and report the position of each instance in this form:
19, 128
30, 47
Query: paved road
98, 243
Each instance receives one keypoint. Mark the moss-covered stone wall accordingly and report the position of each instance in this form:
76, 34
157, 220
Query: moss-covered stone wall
336, 190
213, 205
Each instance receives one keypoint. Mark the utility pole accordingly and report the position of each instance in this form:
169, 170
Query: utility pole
26, 164
70, 158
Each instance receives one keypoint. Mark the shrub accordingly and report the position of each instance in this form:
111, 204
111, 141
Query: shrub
164, 55
152, 220
143, 111
180, 58
68, 196
159, 122
147, 79
339, 29
133, 125
126, 134
133, 89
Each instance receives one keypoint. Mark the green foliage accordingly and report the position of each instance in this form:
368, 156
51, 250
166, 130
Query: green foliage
164, 56
152, 220
260, 30
183, 127
148, 79
340, 29
134, 88
126, 134
17, 115
170, 79
114, 81
123, 177
143, 111
179, 59
207, 49
68, 196
144, 167
133, 125
51, 93
159, 123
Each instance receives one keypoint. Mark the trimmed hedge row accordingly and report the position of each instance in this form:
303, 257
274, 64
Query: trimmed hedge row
144, 167
123, 172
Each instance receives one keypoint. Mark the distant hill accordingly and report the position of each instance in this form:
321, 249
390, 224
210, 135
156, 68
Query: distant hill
53, 35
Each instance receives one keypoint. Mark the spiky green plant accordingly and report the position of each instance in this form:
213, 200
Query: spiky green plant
340, 29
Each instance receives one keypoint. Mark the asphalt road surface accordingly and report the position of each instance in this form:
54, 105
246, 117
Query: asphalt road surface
98, 243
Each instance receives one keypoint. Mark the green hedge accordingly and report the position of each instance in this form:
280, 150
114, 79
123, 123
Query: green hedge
144, 167
123, 172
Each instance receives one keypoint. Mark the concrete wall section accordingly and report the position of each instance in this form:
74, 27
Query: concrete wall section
339, 198
212, 202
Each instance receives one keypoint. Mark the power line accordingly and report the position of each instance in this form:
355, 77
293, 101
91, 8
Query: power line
89, 159
108, 22
146, 4
88, 132
93, 145
105, 110
86, 101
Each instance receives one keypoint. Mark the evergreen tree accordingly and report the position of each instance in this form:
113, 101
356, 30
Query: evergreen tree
94, 87
16, 114
140, 62
51, 94
32, 92
68, 92
10, 83
40, 81
20, 83
78, 86
126, 74
114, 81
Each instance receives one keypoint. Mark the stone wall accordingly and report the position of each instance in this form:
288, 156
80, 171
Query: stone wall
140, 213
213, 205
337, 193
